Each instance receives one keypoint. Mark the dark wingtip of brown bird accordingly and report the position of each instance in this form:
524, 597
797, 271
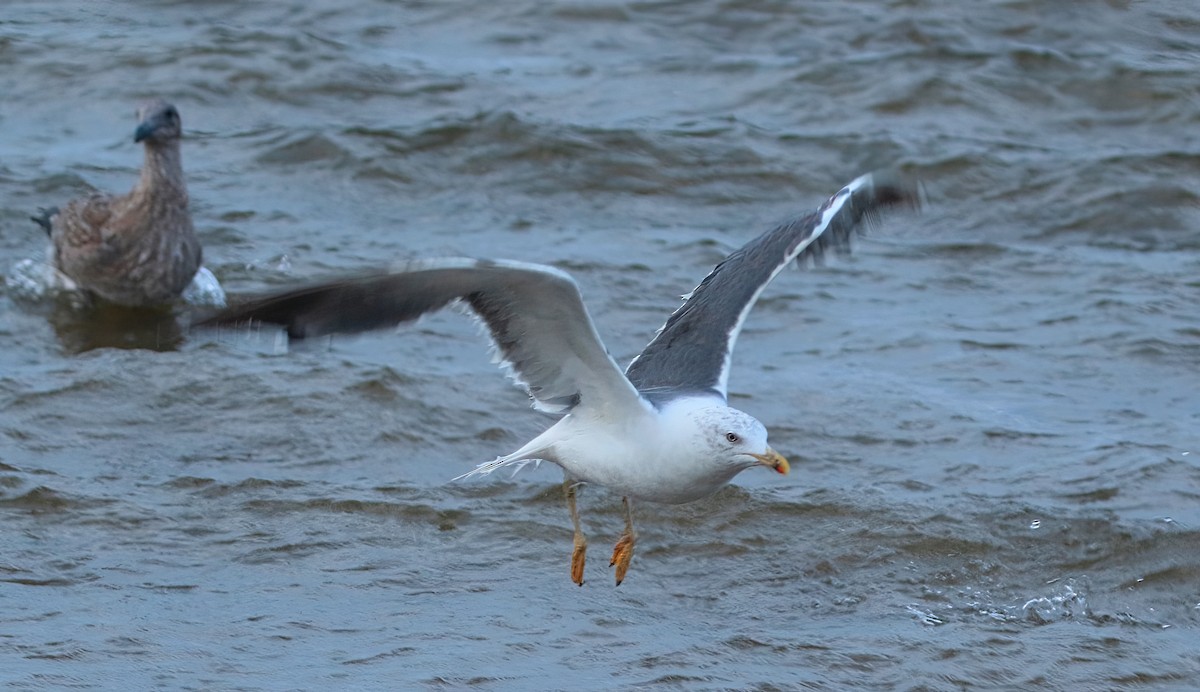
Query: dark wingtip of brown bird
43, 218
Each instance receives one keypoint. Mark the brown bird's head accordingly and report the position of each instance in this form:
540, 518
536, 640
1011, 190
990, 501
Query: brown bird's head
158, 121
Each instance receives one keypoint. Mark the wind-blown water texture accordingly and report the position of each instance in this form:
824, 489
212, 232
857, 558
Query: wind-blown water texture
992, 407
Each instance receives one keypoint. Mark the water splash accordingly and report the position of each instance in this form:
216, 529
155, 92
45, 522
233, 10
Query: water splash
204, 290
1067, 604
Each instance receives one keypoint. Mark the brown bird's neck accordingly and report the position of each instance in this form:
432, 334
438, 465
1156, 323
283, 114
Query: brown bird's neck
163, 172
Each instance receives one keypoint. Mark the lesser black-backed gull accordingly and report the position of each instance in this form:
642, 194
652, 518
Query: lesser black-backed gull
661, 430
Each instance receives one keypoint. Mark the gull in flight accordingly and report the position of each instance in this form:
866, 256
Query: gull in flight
660, 430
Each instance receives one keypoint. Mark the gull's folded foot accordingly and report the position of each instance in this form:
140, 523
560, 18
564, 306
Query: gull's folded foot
578, 556
622, 554
623, 550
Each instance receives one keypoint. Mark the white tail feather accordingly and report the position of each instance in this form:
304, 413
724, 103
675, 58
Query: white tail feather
486, 468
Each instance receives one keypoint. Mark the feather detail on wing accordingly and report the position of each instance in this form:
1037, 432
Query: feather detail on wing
692, 351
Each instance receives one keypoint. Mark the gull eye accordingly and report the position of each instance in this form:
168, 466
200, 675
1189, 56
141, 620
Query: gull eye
732, 437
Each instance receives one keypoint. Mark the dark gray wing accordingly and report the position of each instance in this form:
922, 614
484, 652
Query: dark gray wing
534, 314
692, 351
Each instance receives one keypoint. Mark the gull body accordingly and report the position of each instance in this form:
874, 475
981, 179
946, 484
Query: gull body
682, 452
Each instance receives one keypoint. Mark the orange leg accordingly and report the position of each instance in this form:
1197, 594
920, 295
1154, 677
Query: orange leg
579, 554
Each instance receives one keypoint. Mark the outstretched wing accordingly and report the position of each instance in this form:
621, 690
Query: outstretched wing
693, 349
534, 314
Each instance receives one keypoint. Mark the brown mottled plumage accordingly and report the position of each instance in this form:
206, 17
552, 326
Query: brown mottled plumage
137, 249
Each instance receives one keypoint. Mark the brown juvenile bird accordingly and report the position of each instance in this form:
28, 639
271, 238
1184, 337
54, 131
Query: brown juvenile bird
137, 249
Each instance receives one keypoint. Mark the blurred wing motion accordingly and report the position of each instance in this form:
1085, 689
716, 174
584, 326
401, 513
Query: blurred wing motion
534, 314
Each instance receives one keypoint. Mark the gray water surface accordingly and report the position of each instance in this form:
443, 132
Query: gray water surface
992, 408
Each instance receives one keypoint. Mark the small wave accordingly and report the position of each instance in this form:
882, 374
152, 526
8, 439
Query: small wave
41, 500
305, 149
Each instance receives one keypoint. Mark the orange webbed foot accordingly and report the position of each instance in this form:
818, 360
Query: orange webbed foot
622, 555
578, 557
